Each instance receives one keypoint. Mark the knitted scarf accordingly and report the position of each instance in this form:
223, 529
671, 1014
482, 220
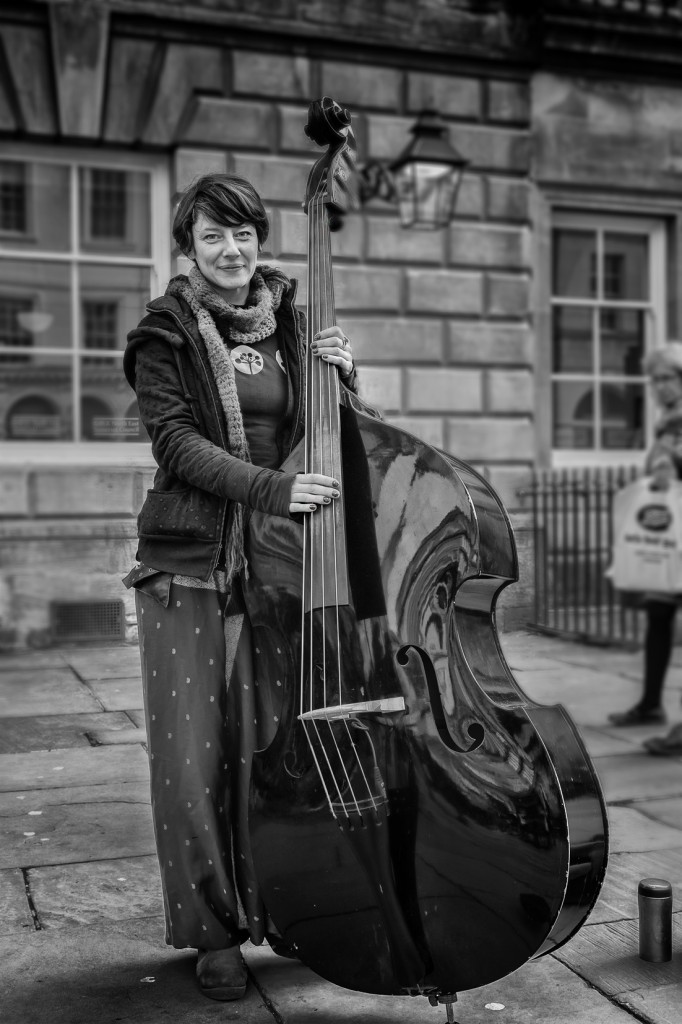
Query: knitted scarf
246, 324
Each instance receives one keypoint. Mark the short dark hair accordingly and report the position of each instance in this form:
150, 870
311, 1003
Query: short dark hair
225, 198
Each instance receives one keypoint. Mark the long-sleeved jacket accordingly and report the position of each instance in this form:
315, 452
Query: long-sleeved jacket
182, 523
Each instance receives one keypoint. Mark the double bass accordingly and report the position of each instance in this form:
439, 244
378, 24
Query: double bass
418, 825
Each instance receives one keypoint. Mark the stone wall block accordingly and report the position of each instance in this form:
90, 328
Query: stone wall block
13, 493
288, 234
510, 391
491, 439
369, 288
507, 481
361, 85
508, 101
275, 178
450, 95
488, 343
381, 387
388, 241
270, 74
508, 199
189, 164
444, 390
233, 122
429, 429
394, 340
487, 246
143, 481
507, 295
292, 138
491, 148
386, 136
470, 197
81, 492
444, 291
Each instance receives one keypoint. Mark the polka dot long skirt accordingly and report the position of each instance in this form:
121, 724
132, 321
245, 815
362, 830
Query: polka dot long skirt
202, 727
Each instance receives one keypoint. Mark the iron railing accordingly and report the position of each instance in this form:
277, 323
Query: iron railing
573, 539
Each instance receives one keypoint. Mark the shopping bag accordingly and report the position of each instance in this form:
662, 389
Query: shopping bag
647, 538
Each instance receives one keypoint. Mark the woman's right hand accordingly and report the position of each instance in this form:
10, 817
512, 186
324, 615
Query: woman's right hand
312, 489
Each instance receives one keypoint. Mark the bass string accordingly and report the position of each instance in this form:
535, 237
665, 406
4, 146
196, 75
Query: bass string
324, 381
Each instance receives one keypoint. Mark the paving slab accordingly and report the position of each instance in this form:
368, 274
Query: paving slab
108, 737
90, 893
65, 830
667, 811
120, 971
601, 742
638, 776
104, 662
661, 1004
15, 912
136, 715
625, 871
607, 956
51, 732
118, 694
539, 993
631, 830
31, 659
48, 769
56, 691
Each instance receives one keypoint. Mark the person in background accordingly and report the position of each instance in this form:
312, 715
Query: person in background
663, 464
218, 367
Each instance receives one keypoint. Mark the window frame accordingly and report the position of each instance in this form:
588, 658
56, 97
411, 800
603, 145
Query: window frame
564, 209
158, 262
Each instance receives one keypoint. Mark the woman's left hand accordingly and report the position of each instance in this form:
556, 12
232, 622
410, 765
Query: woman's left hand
333, 346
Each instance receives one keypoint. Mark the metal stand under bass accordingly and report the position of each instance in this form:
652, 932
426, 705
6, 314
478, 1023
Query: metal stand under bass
418, 825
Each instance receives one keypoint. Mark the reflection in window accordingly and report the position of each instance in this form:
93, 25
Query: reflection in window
13, 197
108, 203
100, 324
34, 417
71, 288
601, 315
12, 334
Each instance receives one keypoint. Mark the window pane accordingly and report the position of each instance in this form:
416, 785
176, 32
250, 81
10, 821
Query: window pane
622, 341
34, 206
113, 301
626, 266
572, 342
36, 400
622, 413
108, 407
115, 211
573, 414
35, 307
574, 269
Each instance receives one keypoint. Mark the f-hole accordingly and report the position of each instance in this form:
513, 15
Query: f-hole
475, 729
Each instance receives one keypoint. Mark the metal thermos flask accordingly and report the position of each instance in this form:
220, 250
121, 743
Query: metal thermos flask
655, 899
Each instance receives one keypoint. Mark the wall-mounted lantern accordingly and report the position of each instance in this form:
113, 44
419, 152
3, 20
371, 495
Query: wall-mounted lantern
423, 180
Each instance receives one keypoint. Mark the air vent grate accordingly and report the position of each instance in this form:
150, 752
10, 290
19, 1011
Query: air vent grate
87, 620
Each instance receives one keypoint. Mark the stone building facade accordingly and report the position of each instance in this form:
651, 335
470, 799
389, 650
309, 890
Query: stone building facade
512, 339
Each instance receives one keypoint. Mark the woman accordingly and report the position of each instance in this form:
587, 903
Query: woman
663, 464
218, 369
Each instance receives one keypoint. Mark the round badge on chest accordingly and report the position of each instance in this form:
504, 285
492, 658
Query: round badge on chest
246, 359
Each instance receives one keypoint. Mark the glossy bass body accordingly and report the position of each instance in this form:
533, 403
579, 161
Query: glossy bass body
440, 829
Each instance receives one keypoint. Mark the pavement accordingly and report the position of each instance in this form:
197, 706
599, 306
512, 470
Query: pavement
82, 942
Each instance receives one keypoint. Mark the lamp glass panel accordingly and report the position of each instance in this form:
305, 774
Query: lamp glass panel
426, 194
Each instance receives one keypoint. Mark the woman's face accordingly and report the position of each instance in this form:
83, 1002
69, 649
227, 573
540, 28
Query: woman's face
226, 256
667, 385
